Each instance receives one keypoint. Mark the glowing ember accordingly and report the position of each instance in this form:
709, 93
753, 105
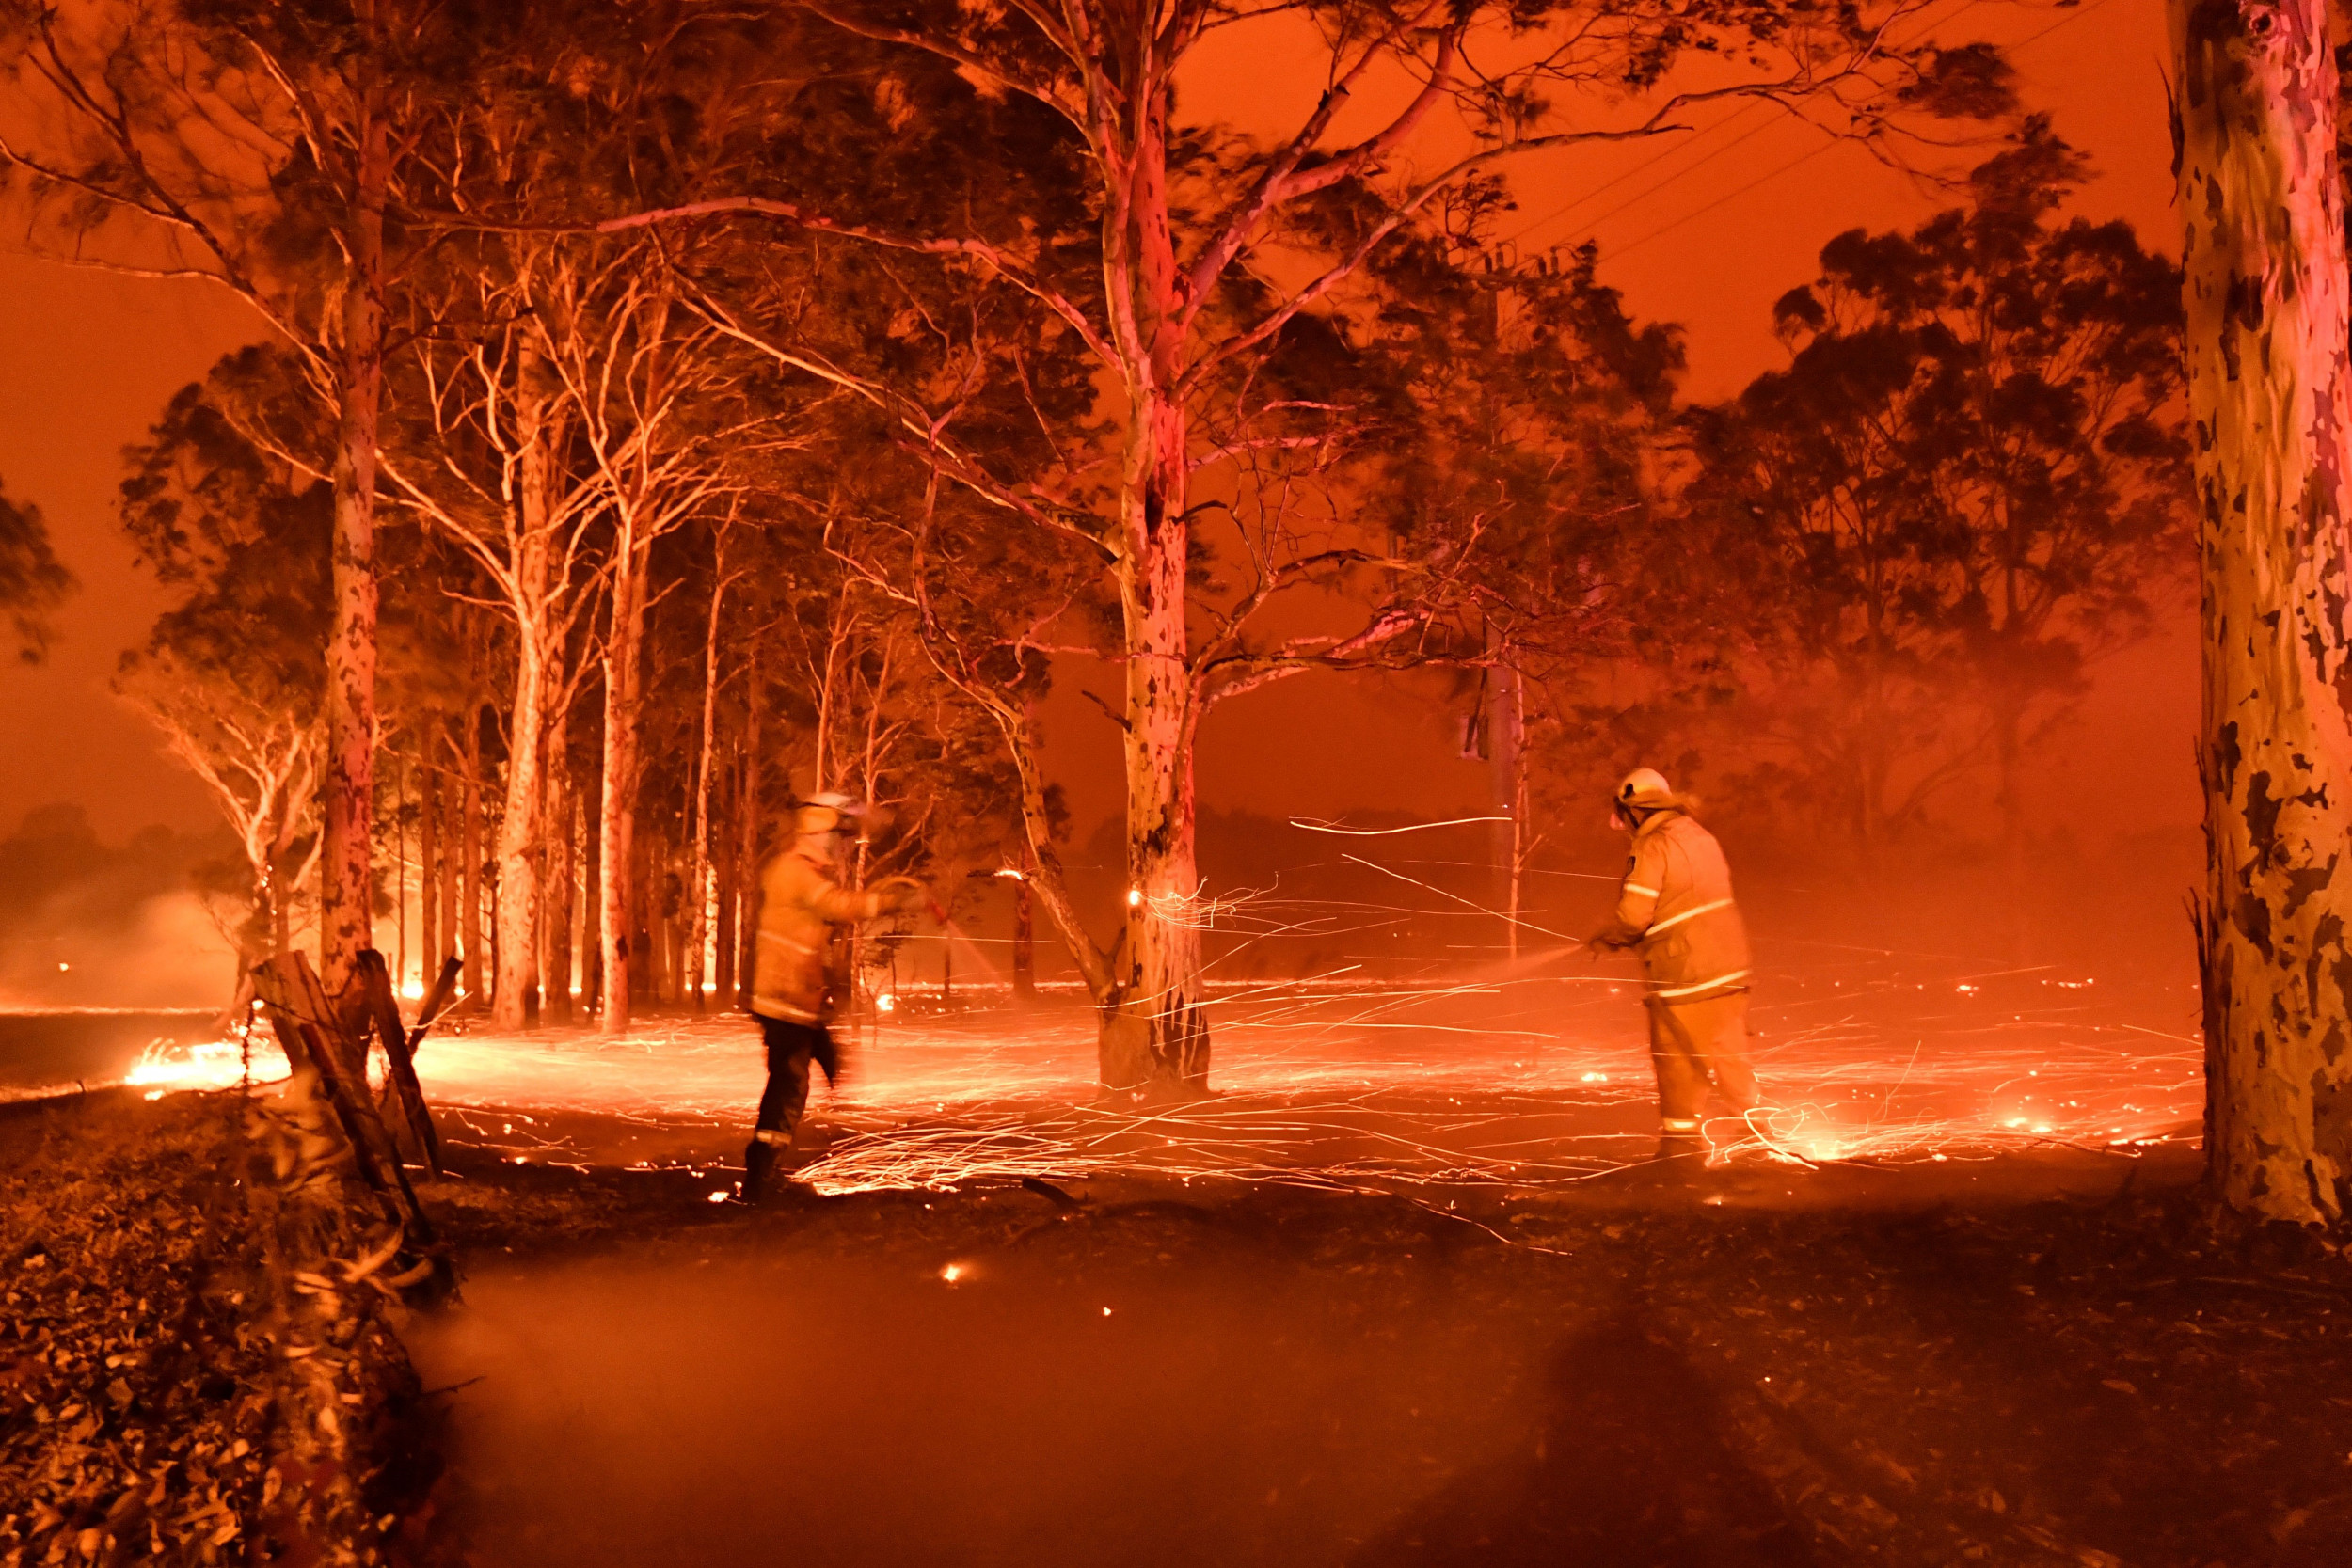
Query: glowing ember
952, 1273
1522, 1080
168, 1066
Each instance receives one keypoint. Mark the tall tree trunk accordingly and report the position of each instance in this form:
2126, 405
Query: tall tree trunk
280, 907
747, 841
512, 1004
728, 891
617, 828
400, 877
519, 827
592, 894
558, 880
428, 864
1024, 943
653, 881
452, 856
643, 968
698, 858
1154, 1039
346, 891
470, 856
2266, 319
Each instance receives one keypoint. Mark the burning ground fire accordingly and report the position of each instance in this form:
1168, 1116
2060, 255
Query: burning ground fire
167, 1066
1529, 1081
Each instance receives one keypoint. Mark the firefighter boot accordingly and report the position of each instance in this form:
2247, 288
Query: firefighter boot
767, 1146
1682, 1150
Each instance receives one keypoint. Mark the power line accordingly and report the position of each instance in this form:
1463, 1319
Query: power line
1723, 124
2017, 48
1643, 194
1650, 161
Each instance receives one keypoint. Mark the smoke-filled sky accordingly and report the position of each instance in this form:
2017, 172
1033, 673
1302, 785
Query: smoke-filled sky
1706, 229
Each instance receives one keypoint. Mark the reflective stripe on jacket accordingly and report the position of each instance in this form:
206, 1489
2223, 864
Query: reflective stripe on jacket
1675, 909
800, 904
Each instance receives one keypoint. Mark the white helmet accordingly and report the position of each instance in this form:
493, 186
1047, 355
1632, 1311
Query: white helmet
825, 814
1644, 789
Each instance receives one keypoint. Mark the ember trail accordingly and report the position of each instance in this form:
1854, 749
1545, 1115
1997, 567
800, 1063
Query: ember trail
1511, 1083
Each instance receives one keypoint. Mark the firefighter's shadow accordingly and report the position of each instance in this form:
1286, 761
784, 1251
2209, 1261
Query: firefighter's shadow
1630, 1471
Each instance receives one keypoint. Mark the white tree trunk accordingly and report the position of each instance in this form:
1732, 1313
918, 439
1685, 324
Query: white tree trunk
516, 1002
1154, 1039
558, 809
346, 881
2266, 322
698, 857
617, 829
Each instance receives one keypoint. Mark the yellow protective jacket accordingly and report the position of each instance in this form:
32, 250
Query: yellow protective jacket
800, 904
1675, 909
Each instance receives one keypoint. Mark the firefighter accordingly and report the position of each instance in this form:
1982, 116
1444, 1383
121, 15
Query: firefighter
1675, 909
795, 983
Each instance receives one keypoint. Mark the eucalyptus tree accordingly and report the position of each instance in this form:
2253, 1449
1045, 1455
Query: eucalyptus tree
261, 148
229, 673
1530, 430
2256, 124
1965, 486
32, 582
1183, 265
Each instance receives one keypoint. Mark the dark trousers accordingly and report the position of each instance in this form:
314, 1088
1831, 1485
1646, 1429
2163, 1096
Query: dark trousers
791, 1047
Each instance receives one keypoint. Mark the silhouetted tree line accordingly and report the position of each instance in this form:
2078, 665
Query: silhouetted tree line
666, 401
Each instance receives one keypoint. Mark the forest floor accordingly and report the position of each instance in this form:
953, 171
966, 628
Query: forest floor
174, 1386
1425, 1306
2063, 1362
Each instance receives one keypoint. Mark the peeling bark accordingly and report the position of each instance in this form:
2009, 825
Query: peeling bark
2265, 295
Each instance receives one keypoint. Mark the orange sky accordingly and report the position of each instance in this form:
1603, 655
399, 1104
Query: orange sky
1708, 235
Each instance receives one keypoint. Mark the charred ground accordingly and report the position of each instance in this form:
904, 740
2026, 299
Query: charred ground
1794, 1373
1148, 1373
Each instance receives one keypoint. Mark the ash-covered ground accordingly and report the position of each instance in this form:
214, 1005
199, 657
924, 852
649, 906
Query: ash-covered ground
1405, 1289
1141, 1371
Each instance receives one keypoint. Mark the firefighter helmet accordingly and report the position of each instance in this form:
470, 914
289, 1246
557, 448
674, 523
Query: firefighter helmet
825, 814
1644, 789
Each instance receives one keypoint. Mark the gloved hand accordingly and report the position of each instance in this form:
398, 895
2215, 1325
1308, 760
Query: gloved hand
903, 893
1600, 941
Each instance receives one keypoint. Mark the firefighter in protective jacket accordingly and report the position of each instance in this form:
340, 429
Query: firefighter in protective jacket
795, 985
1676, 911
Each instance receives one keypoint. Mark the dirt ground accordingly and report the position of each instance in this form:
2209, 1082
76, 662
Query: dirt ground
1779, 1367
1650, 1372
